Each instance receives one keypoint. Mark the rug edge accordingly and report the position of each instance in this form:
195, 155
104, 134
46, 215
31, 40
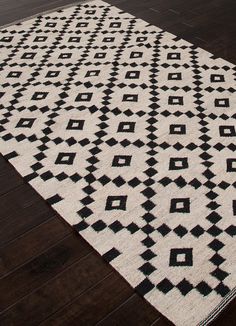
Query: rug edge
219, 308
44, 12
231, 295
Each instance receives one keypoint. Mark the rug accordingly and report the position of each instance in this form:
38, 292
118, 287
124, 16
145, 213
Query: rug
129, 133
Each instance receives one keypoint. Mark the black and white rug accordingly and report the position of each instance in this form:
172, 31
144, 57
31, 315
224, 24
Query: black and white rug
129, 133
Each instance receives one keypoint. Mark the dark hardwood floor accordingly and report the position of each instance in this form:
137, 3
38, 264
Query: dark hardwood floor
48, 274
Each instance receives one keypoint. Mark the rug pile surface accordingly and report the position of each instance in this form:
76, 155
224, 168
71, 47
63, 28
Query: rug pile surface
129, 133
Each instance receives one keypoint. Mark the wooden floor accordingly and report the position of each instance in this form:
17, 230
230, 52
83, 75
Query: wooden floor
48, 274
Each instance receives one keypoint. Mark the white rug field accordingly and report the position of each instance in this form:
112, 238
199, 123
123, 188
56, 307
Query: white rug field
130, 134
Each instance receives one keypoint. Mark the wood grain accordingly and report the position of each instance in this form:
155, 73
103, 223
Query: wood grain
48, 274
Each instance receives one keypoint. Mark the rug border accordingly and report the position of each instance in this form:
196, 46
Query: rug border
224, 303
219, 308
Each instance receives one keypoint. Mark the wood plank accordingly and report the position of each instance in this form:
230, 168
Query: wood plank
227, 317
22, 9
41, 269
132, 312
94, 304
162, 321
32, 243
9, 178
20, 210
45, 301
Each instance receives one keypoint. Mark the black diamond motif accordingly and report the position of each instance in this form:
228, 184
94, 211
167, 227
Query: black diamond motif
184, 286
148, 254
144, 287
147, 268
111, 254
204, 288
165, 286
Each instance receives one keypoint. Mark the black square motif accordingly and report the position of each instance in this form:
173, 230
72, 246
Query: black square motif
28, 55
231, 165
132, 74
234, 207
116, 202
108, 39
40, 39
227, 131
217, 78
90, 12
65, 158
177, 129
75, 39
100, 55
181, 257
25, 123
14, 74
84, 97
175, 76
126, 127
136, 55
173, 56
180, 205
92, 73
222, 102
176, 100
48, 24
75, 124
39, 96
130, 98
65, 56
52, 74
178, 163
6, 39
82, 24
121, 160
115, 24
141, 39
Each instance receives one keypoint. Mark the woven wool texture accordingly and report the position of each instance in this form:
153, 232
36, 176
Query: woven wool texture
129, 133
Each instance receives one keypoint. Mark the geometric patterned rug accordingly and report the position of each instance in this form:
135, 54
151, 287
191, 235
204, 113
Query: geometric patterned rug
129, 133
